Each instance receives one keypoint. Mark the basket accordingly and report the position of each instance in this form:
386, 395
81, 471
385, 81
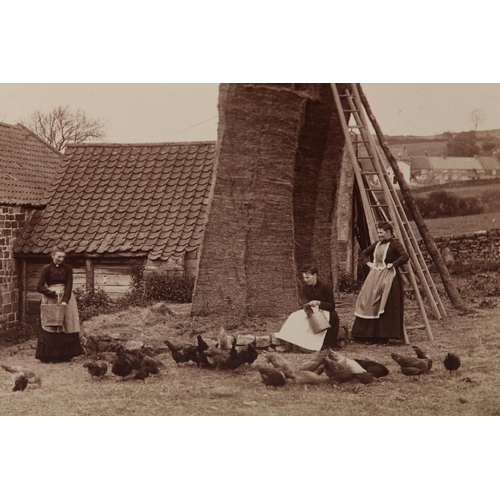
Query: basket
317, 320
53, 314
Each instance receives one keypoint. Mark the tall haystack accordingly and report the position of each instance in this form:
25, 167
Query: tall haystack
279, 151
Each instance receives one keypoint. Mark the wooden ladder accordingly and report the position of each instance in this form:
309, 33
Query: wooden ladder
381, 202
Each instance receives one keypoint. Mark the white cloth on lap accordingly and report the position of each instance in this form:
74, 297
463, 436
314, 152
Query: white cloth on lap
297, 331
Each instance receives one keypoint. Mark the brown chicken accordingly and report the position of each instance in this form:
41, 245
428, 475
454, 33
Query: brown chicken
271, 376
412, 366
20, 370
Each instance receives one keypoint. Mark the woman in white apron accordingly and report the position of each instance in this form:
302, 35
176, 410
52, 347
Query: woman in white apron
58, 343
379, 311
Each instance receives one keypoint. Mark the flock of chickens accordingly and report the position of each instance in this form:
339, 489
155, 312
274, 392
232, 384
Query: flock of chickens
340, 369
225, 355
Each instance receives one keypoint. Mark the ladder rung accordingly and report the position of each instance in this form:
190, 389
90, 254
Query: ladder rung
365, 158
356, 126
414, 327
381, 205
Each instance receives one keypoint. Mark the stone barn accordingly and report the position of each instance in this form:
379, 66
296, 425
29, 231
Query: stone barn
116, 206
276, 203
27, 167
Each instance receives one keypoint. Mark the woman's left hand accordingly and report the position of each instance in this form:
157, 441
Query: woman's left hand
63, 303
389, 266
314, 303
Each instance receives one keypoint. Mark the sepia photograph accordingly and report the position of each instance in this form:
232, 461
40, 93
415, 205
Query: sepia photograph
209, 280
250, 249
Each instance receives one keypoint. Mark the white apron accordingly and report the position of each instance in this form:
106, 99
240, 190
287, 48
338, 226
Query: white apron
297, 331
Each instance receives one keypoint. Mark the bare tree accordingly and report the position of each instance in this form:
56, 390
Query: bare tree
477, 116
61, 126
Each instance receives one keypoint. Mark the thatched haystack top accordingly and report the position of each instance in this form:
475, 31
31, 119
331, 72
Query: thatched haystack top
115, 198
27, 166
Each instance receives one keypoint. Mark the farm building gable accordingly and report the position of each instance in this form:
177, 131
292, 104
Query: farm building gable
148, 199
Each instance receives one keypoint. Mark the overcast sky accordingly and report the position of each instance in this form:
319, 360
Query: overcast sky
188, 112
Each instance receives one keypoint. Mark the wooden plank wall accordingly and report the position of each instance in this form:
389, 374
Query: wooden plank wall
112, 277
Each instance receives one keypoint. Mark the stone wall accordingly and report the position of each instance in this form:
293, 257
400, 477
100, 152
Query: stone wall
12, 218
481, 245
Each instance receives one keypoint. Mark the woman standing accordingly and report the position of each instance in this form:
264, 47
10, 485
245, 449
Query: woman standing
379, 308
58, 343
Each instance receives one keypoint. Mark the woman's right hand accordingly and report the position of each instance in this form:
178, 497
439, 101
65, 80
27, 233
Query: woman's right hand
371, 265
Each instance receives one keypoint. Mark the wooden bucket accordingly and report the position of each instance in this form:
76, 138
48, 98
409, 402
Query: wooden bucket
53, 314
317, 320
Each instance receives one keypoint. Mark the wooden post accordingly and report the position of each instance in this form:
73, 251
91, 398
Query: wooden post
432, 248
89, 276
23, 292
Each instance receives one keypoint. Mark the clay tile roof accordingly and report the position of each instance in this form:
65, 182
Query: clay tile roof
128, 205
28, 166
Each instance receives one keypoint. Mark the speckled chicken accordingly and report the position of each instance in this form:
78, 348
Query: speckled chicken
451, 362
271, 376
96, 368
281, 364
20, 370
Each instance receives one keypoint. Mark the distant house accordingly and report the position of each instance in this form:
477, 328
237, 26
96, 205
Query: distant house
28, 167
117, 206
441, 169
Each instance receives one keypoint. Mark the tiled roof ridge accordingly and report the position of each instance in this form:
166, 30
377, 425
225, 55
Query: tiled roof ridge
136, 144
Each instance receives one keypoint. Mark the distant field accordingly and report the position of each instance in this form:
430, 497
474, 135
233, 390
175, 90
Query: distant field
461, 225
432, 148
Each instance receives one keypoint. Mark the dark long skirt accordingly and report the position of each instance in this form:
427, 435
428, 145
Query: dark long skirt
390, 324
54, 347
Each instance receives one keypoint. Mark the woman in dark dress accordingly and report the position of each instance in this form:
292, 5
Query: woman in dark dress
379, 308
58, 343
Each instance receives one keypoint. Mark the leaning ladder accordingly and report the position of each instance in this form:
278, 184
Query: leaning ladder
385, 207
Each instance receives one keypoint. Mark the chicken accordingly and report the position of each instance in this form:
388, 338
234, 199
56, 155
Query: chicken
21, 383
223, 340
152, 363
412, 366
122, 366
307, 377
142, 374
343, 363
96, 368
216, 356
376, 369
314, 364
451, 362
201, 357
271, 376
343, 376
249, 353
19, 370
281, 364
178, 353
340, 377
234, 359
422, 355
